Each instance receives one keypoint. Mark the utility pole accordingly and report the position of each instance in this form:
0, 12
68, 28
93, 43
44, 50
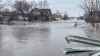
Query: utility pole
43, 4
40, 4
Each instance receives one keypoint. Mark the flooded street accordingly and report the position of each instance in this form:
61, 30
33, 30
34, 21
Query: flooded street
37, 41
50, 28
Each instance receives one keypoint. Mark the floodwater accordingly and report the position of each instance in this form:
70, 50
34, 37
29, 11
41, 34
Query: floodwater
37, 41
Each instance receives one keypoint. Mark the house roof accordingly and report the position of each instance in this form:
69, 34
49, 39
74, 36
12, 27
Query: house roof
46, 11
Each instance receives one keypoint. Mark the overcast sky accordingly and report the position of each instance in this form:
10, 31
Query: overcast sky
71, 7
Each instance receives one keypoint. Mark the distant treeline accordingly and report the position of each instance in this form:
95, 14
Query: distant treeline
30, 12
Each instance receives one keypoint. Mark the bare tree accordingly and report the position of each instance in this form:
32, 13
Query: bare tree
34, 4
0, 3
88, 5
1, 6
43, 4
65, 17
23, 7
91, 8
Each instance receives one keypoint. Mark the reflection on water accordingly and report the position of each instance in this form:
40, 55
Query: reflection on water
35, 41
22, 41
27, 41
